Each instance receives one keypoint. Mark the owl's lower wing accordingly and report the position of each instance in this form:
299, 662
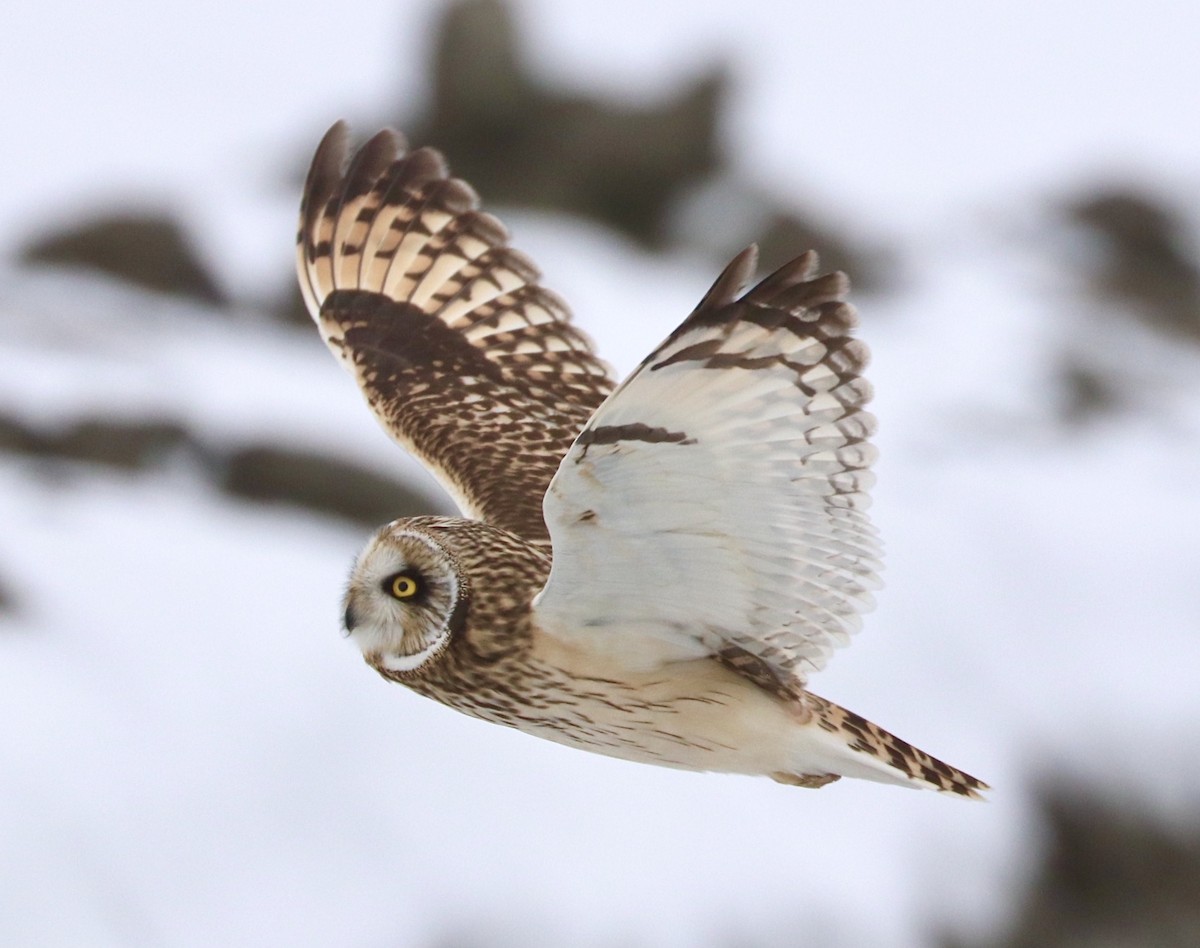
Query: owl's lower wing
465, 360
715, 503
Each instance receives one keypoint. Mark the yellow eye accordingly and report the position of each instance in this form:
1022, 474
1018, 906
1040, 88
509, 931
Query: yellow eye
403, 586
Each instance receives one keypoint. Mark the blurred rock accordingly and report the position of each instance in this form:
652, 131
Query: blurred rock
871, 269
149, 250
292, 309
130, 445
7, 603
723, 215
270, 474
634, 168
1112, 876
318, 482
629, 167
519, 142
1129, 344
1087, 393
1144, 264
16, 438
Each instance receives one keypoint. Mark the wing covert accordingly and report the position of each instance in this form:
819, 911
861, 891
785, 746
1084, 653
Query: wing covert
715, 503
465, 359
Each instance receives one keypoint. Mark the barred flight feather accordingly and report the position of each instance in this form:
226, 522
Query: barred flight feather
463, 356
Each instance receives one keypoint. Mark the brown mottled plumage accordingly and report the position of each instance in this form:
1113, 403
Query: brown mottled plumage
417, 292
649, 573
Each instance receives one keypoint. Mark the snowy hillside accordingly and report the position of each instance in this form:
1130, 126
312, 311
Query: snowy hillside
192, 755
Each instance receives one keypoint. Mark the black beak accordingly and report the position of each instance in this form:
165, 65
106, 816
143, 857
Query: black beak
349, 620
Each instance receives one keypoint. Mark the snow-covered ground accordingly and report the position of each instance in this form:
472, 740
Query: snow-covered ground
191, 755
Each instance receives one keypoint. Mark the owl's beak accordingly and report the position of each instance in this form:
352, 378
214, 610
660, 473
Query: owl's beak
349, 620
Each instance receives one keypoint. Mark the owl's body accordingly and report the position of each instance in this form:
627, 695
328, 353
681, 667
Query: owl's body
701, 543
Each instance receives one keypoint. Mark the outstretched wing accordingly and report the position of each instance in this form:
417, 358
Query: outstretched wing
465, 360
715, 504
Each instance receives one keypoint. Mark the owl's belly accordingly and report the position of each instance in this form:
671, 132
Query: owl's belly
692, 715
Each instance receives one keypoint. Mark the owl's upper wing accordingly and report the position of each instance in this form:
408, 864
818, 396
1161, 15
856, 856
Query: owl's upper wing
715, 503
463, 357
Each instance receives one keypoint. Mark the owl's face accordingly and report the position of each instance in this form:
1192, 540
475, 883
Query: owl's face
405, 599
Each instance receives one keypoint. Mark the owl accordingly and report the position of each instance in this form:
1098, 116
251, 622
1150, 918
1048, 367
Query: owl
650, 570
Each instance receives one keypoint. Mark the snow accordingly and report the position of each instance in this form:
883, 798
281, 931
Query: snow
193, 756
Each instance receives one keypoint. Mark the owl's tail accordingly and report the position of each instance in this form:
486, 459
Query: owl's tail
851, 746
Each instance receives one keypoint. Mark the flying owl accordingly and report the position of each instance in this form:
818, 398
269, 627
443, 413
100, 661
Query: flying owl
649, 570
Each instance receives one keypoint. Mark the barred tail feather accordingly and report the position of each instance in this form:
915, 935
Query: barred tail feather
849, 745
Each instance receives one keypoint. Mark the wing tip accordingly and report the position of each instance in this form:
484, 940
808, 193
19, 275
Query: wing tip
338, 178
733, 279
793, 287
338, 193
323, 175
371, 161
798, 284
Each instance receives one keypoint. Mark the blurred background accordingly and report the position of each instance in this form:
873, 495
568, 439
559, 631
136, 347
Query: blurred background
189, 752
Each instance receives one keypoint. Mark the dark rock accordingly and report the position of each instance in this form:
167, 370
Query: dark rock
149, 250
293, 310
132, 445
787, 235
520, 143
725, 214
7, 602
327, 485
1087, 393
271, 474
1144, 263
1111, 875
17, 438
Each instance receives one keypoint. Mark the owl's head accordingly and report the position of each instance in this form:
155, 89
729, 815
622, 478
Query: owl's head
405, 599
